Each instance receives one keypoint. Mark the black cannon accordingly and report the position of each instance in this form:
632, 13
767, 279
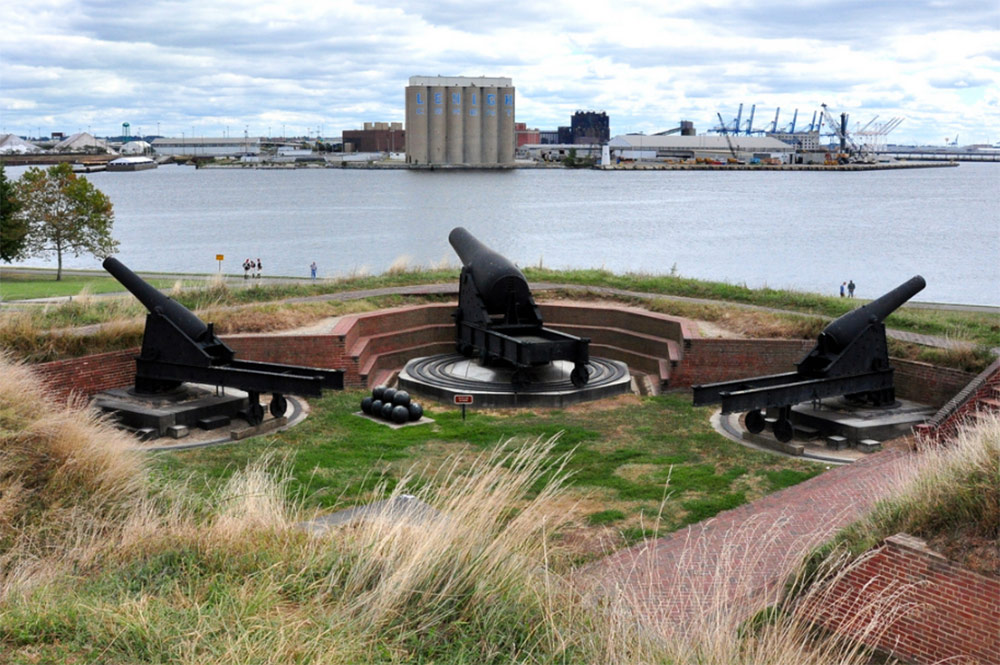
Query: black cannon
850, 358
177, 346
497, 318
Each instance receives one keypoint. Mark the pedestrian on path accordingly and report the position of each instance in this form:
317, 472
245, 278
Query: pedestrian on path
246, 268
850, 289
312, 270
259, 268
842, 286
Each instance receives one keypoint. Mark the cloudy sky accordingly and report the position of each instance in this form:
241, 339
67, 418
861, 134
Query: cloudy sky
213, 66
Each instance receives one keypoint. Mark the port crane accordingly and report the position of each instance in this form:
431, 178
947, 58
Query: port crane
729, 141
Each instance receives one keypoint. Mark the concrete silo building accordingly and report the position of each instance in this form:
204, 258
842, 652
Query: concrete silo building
459, 121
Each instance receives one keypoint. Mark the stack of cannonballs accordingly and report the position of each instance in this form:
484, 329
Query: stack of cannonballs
390, 404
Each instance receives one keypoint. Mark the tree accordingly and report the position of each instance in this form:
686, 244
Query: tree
64, 213
13, 227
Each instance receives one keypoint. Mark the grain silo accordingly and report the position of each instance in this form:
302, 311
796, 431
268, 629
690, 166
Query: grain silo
459, 121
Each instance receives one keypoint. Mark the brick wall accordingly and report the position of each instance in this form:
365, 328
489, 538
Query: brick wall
927, 383
712, 360
88, 375
324, 351
938, 610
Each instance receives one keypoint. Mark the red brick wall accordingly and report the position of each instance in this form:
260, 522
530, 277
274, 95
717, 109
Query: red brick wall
945, 612
324, 351
88, 375
712, 360
926, 383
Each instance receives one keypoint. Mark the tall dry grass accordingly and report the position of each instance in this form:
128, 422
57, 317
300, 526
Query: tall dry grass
99, 562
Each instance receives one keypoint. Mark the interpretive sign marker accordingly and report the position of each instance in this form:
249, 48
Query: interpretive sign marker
463, 400
219, 258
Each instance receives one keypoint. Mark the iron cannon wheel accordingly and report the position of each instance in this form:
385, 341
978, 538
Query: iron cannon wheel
783, 430
580, 375
278, 405
255, 413
754, 421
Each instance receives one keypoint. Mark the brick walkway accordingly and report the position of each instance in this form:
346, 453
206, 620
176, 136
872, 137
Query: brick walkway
740, 558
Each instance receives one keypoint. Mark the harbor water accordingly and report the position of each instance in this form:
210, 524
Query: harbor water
783, 229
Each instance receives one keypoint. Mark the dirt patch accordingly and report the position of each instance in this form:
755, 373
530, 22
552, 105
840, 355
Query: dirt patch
976, 553
606, 404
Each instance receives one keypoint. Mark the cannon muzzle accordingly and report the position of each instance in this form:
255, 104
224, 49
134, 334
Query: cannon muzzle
497, 280
838, 334
156, 302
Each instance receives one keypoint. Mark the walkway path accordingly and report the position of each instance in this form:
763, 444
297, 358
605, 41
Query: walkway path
736, 562
452, 289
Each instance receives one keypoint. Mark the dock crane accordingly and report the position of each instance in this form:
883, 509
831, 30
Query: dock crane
726, 134
774, 125
753, 109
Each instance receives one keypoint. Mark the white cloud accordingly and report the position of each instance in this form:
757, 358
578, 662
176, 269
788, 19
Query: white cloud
649, 64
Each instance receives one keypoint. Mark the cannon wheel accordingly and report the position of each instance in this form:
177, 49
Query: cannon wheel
783, 430
278, 405
754, 421
580, 375
255, 413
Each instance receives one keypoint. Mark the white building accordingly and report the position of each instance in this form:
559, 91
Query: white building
207, 146
639, 147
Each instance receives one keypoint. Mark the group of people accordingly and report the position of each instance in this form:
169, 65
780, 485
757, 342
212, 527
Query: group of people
251, 268
848, 287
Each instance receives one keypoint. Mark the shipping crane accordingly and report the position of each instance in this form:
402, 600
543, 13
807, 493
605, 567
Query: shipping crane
726, 134
774, 125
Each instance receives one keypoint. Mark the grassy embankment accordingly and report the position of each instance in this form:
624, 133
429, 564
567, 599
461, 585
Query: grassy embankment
103, 559
265, 307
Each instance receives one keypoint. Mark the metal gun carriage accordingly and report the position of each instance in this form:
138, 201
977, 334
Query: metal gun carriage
177, 347
851, 358
497, 318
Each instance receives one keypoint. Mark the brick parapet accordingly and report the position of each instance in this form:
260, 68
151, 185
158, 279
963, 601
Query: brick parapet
927, 608
712, 360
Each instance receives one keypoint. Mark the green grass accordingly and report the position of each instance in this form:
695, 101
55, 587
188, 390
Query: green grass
22, 286
623, 460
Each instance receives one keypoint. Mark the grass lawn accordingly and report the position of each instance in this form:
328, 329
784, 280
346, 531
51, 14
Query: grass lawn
21, 286
639, 465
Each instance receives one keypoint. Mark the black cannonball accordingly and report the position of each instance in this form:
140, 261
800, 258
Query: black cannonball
376, 408
400, 414
401, 398
388, 394
416, 411
366, 404
387, 410
377, 392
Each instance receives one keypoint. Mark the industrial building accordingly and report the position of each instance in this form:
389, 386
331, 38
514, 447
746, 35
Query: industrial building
639, 147
459, 121
589, 127
208, 146
526, 136
376, 137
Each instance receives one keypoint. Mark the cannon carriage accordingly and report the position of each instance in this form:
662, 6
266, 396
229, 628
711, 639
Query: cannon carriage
179, 347
850, 359
497, 319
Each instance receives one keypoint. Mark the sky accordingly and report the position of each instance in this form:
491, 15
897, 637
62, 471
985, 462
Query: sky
294, 68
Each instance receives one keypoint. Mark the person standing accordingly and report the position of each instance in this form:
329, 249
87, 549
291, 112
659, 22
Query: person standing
842, 286
259, 267
850, 289
246, 268
312, 270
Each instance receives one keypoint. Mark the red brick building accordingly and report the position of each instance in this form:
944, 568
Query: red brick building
376, 137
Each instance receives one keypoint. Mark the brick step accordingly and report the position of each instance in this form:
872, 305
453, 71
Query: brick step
355, 326
399, 357
384, 377
651, 345
633, 320
658, 368
387, 341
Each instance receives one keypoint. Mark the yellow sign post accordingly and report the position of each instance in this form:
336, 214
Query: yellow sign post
219, 258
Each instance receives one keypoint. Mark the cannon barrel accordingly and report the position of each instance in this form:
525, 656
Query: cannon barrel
495, 277
838, 334
155, 301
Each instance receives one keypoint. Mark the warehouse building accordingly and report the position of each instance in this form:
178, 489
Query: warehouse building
459, 121
376, 137
207, 146
639, 147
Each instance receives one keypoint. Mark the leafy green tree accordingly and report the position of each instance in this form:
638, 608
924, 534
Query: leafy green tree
13, 227
64, 214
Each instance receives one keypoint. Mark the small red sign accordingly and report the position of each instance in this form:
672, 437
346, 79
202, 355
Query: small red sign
463, 399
